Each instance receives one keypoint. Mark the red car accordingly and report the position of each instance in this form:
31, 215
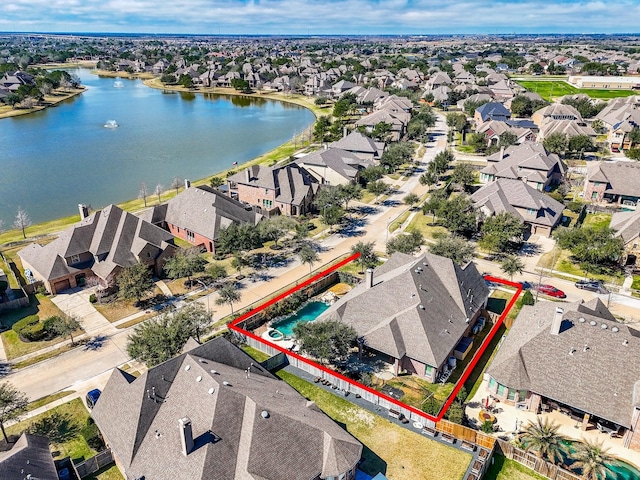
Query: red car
551, 291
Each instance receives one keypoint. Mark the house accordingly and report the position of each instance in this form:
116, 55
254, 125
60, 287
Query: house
397, 120
529, 162
493, 129
214, 413
491, 111
620, 117
613, 182
555, 112
572, 356
197, 215
288, 190
538, 211
334, 166
414, 311
359, 144
627, 227
30, 458
99, 246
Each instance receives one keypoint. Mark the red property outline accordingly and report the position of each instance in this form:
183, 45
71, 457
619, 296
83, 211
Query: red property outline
233, 326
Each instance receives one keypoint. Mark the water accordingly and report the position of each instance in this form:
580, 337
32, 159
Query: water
54, 159
309, 312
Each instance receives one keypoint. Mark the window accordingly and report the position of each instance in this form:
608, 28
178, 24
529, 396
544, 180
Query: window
511, 395
190, 236
75, 259
501, 390
428, 371
267, 203
531, 211
594, 195
492, 383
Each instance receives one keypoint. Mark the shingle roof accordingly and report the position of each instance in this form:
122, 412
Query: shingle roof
498, 196
623, 178
597, 380
30, 455
389, 314
292, 182
357, 142
493, 110
113, 237
205, 211
626, 225
345, 163
528, 156
233, 439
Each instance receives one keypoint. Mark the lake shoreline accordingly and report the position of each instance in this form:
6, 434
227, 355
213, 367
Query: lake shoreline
12, 237
50, 102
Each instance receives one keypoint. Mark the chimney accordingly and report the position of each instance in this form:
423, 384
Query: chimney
187, 183
248, 173
344, 131
186, 435
368, 279
557, 321
501, 153
84, 210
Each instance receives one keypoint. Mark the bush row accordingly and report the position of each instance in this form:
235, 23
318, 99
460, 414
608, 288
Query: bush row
33, 330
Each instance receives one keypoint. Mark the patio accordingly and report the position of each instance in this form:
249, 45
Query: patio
508, 417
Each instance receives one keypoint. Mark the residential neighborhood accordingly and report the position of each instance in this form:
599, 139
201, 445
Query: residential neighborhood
436, 278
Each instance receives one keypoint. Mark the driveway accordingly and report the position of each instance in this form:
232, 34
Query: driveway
75, 303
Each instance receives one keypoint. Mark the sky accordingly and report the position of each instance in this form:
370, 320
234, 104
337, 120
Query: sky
284, 17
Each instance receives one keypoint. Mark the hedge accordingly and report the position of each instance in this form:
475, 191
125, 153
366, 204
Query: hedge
25, 322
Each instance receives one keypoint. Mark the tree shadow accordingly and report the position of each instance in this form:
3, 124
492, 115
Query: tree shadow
367, 210
58, 427
96, 343
390, 203
5, 369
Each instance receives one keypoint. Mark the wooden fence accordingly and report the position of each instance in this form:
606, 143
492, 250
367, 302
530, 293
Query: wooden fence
93, 464
536, 464
18, 297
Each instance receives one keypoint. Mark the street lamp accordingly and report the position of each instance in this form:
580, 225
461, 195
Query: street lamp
206, 287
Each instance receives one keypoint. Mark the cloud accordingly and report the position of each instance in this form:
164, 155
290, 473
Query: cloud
324, 17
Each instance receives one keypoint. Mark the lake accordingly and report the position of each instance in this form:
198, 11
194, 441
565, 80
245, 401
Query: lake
54, 159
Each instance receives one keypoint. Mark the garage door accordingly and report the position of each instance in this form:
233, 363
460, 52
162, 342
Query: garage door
61, 285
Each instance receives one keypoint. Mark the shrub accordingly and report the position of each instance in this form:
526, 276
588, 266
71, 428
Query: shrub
34, 333
527, 298
575, 207
487, 426
92, 298
25, 322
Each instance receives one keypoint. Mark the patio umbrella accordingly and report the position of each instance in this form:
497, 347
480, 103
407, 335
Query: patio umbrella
486, 403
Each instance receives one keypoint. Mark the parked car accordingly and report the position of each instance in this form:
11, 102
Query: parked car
92, 397
550, 290
592, 286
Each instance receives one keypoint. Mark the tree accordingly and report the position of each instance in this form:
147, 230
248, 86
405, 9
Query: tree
512, 265
507, 139
458, 215
457, 121
396, 155
13, 403
556, 143
186, 81
405, 243
543, 439
238, 261
581, 143
350, 191
175, 183
463, 174
158, 191
185, 263
377, 187
321, 128
454, 247
143, 193
65, 326
329, 196
216, 271
216, 182
22, 221
367, 256
591, 246
308, 255
328, 341
411, 199
592, 459
195, 318
381, 131
134, 282
237, 237
275, 228
478, 141
634, 136
498, 230
372, 173
228, 293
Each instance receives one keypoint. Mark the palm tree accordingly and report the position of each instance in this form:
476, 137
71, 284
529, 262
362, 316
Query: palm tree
228, 293
512, 265
592, 459
543, 439
308, 255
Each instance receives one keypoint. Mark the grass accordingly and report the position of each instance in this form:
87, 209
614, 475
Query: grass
636, 283
367, 196
557, 88
137, 320
48, 399
504, 469
564, 263
67, 421
397, 223
475, 378
423, 224
106, 473
388, 448
255, 353
42, 357
597, 220
119, 309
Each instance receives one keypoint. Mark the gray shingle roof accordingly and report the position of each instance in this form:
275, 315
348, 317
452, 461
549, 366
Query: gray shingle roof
504, 194
522, 160
623, 178
389, 314
357, 142
112, 236
29, 455
626, 225
232, 437
600, 379
206, 211
346, 164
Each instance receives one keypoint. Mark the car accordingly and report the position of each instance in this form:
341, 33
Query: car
92, 397
551, 291
592, 286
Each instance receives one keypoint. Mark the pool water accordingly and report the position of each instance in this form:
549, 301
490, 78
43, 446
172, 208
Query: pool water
624, 471
309, 312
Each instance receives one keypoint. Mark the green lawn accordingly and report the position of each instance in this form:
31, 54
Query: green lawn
549, 89
63, 425
597, 220
423, 224
505, 469
106, 473
48, 399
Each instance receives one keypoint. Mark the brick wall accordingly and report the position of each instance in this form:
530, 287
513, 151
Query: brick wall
197, 238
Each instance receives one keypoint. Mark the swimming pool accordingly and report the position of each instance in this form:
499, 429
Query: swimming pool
310, 311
